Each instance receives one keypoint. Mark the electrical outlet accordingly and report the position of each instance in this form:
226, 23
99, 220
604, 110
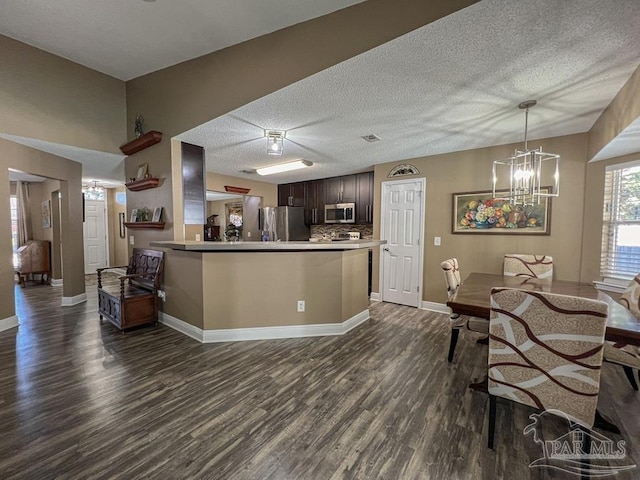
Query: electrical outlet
301, 305
131, 240
162, 295
437, 241
197, 237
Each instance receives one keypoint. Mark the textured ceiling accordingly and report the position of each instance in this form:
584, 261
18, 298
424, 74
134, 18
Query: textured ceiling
129, 38
450, 86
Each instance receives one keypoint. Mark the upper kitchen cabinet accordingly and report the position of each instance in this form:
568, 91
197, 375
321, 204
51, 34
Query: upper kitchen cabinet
314, 213
291, 194
340, 189
364, 198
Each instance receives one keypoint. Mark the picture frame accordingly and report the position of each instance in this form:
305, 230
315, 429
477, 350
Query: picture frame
121, 221
134, 215
498, 216
157, 214
142, 171
46, 213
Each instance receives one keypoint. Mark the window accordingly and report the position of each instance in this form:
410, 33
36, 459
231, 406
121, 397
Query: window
14, 228
620, 258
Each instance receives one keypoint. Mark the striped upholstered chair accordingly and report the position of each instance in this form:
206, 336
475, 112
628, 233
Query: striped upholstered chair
528, 266
627, 356
479, 325
545, 351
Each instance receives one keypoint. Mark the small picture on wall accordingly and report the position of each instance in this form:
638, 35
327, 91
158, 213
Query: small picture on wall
46, 214
121, 221
157, 214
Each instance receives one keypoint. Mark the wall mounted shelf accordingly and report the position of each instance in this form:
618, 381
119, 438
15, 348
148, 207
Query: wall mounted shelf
155, 225
142, 142
142, 184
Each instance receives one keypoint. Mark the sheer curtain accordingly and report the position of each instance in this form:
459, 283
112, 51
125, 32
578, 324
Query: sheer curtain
24, 215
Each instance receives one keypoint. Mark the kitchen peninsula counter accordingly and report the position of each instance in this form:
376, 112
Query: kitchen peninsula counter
229, 291
301, 246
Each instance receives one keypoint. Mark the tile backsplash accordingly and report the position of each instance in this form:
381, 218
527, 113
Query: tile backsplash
321, 231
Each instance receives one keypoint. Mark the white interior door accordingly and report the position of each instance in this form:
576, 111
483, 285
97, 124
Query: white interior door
95, 237
402, 226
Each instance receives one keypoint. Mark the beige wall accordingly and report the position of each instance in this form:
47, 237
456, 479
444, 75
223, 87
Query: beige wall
623, 110
47, 97
469, 171
259, 290
69, 173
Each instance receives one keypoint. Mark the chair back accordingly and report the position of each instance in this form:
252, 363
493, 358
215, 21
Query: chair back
545, 351
451, 275
530, 266
149, 262
631, 297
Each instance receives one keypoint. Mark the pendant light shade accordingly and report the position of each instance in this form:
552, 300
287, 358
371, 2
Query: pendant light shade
528, 174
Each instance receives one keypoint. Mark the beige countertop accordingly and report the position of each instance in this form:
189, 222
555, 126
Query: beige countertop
301, 246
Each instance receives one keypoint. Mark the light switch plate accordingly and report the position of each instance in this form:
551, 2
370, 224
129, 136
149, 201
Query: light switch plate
197, 237
131, 240
437, 241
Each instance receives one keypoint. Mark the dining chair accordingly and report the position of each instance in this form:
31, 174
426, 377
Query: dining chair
627, 356
479, 325
545, 351
526, 265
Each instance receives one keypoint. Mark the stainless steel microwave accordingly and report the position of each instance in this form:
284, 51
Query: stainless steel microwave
340, 213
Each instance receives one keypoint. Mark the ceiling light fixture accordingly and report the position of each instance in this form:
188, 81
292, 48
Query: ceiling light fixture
527, 170
284, 167
275, 141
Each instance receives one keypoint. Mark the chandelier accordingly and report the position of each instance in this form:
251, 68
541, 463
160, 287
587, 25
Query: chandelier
527, 171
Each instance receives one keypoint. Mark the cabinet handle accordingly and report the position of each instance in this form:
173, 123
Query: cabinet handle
313, 215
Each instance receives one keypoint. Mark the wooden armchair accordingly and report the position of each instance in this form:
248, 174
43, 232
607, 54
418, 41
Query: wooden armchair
135, 300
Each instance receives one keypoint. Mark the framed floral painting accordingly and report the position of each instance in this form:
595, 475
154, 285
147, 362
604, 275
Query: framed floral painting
480, 213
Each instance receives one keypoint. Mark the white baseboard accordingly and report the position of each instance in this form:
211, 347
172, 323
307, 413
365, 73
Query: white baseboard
119, 271
55, 282
9, 322
70, 301
435, 307
263, 333
374, 297
181, 326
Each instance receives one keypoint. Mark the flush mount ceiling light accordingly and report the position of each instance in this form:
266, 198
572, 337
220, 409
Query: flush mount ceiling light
527, 171
284, 167
275, 141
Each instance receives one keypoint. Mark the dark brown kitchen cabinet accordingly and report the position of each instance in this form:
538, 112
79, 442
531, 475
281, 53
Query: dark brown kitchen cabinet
291, 194
364, 198
340, 189
314, 208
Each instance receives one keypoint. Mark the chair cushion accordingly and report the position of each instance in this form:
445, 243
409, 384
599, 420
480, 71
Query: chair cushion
451, 275
627, 355
545, 350
477, 324
631, 297
531, 266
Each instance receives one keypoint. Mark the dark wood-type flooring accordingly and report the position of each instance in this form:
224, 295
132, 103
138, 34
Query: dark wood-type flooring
78, 400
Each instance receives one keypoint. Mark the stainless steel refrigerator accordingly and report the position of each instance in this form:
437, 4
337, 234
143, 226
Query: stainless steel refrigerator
284, 224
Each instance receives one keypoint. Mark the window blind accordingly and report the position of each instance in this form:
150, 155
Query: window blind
620, 256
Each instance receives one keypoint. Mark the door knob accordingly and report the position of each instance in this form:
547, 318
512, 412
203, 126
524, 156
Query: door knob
386, 249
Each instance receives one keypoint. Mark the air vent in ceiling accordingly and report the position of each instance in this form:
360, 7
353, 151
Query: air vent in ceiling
371, 137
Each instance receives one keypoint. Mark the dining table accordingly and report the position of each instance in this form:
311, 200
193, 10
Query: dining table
473, 298
474, 294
